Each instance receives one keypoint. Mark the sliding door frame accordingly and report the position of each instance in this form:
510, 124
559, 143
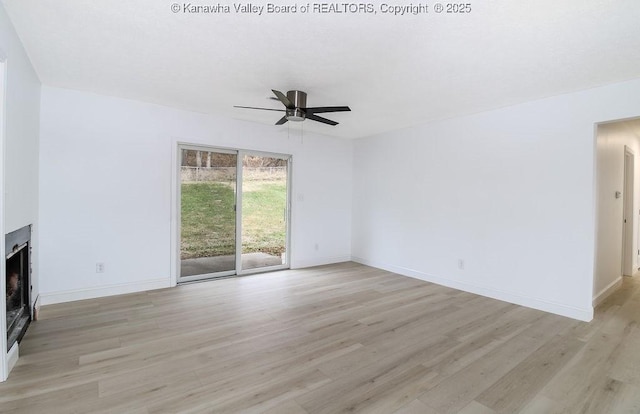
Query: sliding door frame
177, 204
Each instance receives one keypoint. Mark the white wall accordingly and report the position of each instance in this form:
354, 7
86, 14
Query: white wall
510, 191
22, 131
611, 140
19, 188
106, 170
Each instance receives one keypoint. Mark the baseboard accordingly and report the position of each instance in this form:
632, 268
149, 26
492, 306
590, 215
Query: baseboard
543, 305
604, 293
302, 263
98, 292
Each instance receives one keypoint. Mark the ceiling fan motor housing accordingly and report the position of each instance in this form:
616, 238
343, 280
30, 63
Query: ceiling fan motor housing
299, 100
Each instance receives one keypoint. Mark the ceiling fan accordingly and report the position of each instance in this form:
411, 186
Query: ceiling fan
295, 103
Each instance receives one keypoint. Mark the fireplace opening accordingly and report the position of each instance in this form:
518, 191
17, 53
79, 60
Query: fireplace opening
18, 284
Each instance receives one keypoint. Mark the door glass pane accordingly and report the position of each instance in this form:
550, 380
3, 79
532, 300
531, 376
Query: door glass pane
264, 211
208, 218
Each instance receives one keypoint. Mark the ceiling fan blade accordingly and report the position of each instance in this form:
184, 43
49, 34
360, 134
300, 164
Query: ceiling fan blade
321, 119
262, 109
282, 97
321, 109
282, 120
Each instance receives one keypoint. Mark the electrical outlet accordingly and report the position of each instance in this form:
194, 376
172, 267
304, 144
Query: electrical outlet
99, 267
460, 264
317, 246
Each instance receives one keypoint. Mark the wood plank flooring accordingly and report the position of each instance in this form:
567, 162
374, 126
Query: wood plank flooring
333, 339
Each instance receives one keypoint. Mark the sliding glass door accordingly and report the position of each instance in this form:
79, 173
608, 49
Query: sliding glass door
217, 238
264, 211
207, 212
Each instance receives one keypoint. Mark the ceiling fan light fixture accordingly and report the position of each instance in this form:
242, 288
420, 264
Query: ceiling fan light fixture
295, 114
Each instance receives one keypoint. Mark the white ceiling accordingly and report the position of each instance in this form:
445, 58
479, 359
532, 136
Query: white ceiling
393, 71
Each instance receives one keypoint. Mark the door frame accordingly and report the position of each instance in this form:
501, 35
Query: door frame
628, 212
4, 352
177, 216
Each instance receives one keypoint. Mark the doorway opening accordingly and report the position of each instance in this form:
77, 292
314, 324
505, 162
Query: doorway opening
617, 237
233, 212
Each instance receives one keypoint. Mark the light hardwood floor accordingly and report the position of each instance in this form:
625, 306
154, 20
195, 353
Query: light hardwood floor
332, 339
